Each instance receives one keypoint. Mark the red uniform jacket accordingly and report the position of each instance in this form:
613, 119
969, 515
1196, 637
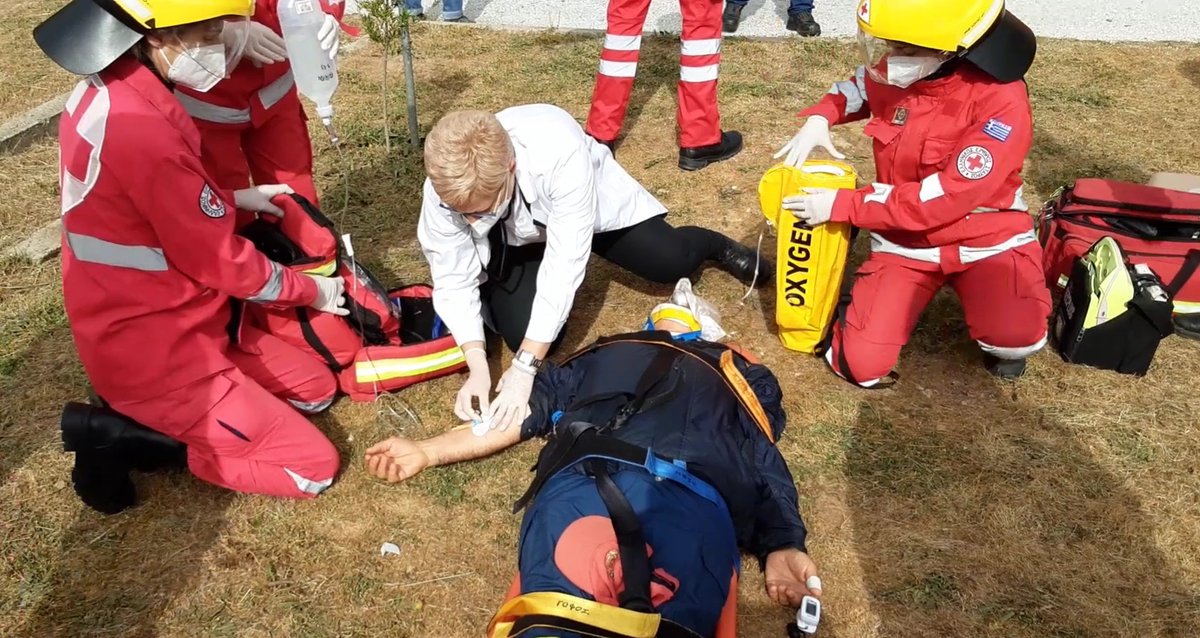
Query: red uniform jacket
948, 157
150, 258
251, 94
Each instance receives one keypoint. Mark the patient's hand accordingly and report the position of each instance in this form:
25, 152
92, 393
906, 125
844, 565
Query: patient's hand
791, 575
396, 459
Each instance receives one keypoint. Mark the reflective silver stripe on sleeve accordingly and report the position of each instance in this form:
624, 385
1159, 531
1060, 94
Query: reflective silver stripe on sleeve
270, 290
98, 251
202, 110
276, 90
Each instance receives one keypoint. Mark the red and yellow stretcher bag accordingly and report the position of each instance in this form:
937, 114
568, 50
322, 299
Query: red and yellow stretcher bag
390, 340
1154, 226
810, 262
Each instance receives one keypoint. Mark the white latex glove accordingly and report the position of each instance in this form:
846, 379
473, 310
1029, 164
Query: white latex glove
814, 133
258, 198
814, 207
331, 295
328, 35
511, 406
478, 386
263, 46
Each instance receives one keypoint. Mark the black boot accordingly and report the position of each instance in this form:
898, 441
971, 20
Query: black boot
804, 24
107, 446
741, 262
732, 17
694, 159
1188, 325
1004, 368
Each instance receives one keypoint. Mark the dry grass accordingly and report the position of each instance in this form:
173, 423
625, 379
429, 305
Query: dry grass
1062, 505
28, 78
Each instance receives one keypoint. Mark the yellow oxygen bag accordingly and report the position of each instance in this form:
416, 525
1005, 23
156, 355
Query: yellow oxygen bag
810, 262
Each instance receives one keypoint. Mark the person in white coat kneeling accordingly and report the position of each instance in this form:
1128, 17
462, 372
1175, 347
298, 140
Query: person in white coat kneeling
514, 205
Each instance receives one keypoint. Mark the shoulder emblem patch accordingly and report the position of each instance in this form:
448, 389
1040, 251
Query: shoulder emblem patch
975, 162
211, 203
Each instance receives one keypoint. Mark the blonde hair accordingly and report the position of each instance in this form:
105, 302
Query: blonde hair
467, 156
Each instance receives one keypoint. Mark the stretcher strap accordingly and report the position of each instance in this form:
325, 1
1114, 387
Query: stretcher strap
552, 610
749, 399
631, 543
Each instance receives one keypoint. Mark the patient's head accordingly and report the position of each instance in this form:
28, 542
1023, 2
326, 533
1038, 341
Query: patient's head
469, 161
674, 319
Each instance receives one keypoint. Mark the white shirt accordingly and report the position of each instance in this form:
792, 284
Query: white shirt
567, 183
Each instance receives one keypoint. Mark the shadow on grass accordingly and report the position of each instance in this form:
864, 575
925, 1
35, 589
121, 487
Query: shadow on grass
977, 515
116, 575
1055, 163
1191, 70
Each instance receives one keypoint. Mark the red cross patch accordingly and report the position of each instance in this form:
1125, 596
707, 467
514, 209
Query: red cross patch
864, 11
211, 203
975, 162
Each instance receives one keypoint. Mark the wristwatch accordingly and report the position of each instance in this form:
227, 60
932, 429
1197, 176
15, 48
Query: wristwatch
527, 359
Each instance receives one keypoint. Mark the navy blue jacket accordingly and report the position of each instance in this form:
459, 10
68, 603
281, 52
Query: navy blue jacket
696, 418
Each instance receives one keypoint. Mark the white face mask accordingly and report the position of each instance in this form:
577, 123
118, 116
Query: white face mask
198, 67
904, 71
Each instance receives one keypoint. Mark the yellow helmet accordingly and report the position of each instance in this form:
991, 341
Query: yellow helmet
86, 36
981, 31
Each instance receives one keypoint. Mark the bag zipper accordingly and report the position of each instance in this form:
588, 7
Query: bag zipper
1116, 231
1146, 208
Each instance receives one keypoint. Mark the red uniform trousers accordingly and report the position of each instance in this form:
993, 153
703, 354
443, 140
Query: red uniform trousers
277, 151
240, 433
699, 58
1004, 298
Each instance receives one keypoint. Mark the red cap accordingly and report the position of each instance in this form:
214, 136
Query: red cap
587, 555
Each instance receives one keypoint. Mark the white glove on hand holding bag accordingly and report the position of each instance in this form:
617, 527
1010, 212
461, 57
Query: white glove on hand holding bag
331, 295
814, 207
258, 198
814, 133
263, 46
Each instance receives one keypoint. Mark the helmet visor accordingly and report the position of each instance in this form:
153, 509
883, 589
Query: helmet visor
235, 35
898, 63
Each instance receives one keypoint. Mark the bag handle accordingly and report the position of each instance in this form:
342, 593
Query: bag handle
1190, 263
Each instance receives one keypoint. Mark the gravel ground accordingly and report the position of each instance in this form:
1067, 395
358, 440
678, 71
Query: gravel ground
1111, 20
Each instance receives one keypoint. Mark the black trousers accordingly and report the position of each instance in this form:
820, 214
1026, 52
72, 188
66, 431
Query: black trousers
653, 250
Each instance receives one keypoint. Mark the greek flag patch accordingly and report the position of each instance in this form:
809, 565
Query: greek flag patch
998, 130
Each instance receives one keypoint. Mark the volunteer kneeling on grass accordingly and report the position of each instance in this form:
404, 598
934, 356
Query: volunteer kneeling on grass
952, 124
151, 262
514, 206
660, 464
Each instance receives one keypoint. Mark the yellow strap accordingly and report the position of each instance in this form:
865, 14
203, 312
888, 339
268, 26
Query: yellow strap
378, 370
746, 394
324, 270
625, 622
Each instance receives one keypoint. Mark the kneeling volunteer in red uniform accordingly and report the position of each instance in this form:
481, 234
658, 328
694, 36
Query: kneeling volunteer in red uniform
952, 125
151, 262
252, 125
